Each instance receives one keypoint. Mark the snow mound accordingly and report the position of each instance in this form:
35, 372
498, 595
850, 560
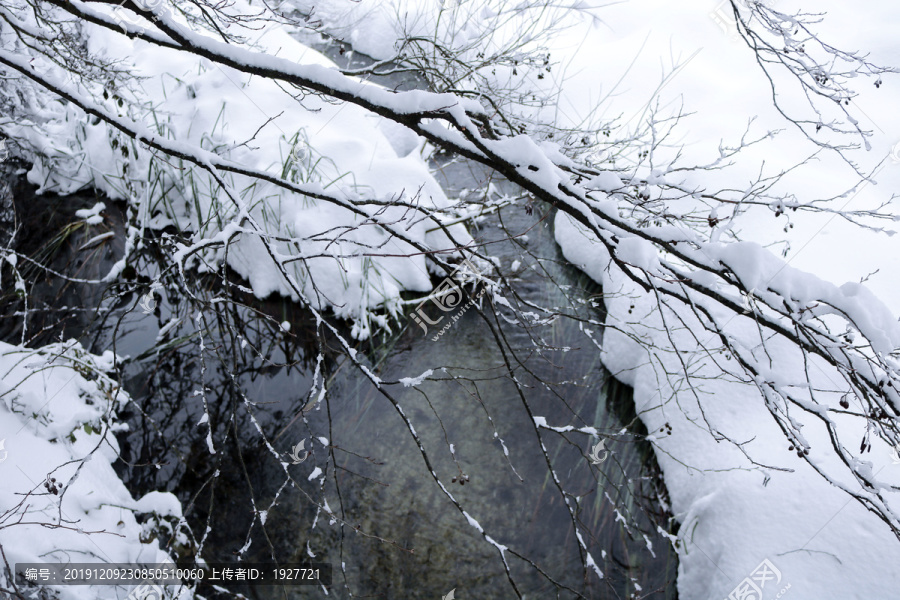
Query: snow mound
734, 514
340, 258
57, 420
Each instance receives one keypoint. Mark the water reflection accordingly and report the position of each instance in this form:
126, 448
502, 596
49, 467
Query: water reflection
222, 392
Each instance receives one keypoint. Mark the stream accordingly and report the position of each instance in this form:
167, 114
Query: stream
401, 537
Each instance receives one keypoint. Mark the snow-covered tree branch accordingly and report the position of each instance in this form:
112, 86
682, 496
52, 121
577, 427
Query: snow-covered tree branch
203, 119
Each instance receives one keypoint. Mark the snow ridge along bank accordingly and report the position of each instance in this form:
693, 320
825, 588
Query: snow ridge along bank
735, 514
225, 116
61, 500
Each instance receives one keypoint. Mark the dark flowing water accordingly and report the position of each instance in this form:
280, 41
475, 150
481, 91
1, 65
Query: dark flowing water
402, 537
397, 534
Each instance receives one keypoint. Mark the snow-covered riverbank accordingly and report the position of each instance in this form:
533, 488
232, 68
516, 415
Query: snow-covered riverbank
740, 491
734, 514
62, 501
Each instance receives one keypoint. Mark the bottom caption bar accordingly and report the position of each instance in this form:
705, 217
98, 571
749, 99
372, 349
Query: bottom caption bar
170, 574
